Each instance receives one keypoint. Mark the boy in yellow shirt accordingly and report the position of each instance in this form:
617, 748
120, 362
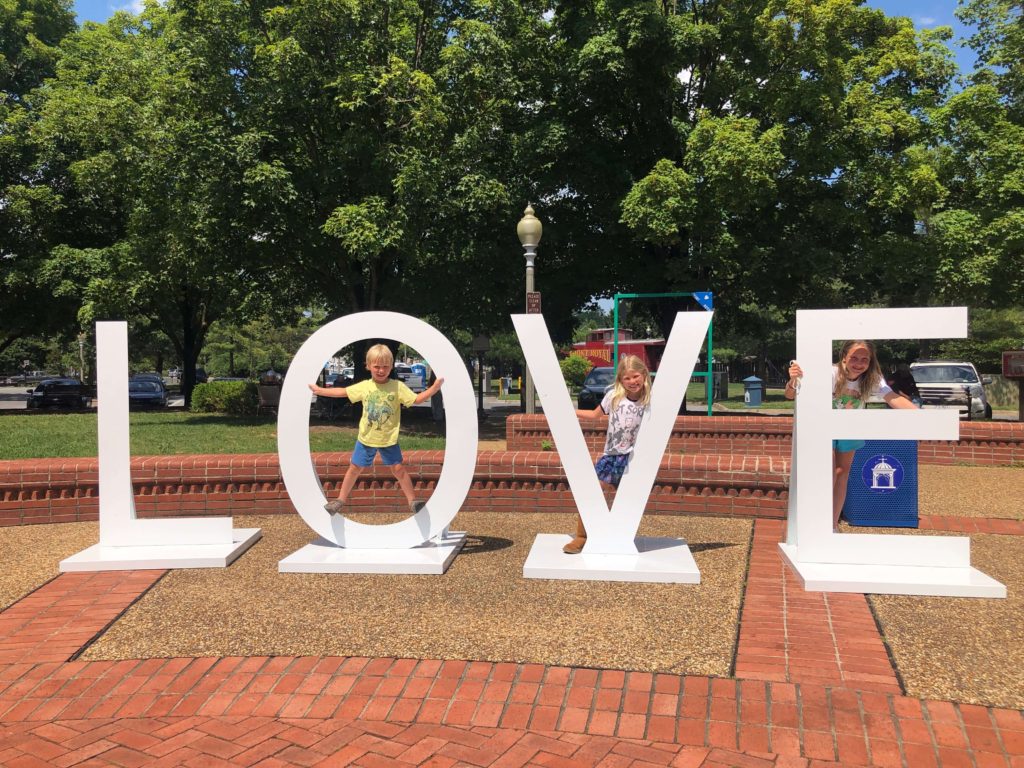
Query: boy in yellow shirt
383, 399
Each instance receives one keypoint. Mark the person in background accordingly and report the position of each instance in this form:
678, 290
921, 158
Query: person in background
902, 382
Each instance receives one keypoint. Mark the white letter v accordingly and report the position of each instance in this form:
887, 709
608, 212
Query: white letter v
613, 531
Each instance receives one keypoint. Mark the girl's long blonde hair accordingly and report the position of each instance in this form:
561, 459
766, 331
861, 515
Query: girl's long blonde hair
869, 380
628, 364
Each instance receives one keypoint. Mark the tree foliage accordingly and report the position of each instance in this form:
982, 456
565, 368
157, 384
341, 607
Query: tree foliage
212, 161
30, 35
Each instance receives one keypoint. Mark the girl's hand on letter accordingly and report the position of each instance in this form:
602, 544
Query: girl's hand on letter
793, 385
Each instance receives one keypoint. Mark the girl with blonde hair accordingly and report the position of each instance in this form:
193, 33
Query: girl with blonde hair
625, 404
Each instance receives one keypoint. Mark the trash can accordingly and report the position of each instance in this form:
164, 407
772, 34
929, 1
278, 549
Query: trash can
720, 385
882, 488
753, 391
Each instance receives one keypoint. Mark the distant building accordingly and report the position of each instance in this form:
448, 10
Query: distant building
599, 348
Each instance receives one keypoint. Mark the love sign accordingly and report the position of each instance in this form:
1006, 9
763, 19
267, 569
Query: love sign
422, 542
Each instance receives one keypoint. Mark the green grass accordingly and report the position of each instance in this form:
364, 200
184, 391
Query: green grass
156, 434
774, 399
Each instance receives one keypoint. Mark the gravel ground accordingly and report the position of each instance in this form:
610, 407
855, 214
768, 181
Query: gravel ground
963, 649
481, 609
971, 491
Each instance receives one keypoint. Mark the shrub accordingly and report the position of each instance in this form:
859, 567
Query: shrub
235, 398
575, 369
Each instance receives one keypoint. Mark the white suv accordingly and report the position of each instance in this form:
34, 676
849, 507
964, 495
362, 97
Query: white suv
952, 383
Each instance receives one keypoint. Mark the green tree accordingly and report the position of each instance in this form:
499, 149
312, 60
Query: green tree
382, 146
145, 123
993, 331
256, 345
976, 233
765, 151
30, 34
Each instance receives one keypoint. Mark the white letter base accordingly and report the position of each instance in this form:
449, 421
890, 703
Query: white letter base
891, 579
322, 556
660, 560
99, 557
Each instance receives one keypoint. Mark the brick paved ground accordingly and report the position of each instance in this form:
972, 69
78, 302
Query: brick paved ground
813, 685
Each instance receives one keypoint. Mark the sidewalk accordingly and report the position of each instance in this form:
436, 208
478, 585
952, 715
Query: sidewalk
813, 685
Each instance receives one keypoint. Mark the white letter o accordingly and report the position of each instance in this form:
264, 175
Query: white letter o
297, 470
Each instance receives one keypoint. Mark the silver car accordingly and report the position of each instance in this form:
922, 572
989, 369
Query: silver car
952, 384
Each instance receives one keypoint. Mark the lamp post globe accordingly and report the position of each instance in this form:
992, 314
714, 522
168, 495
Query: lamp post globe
529, 230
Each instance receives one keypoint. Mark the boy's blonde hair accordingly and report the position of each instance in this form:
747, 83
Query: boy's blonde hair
379, 353
628, 364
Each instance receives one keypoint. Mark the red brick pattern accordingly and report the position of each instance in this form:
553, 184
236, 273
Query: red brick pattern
751, 435
269, 743
790, 635
58, 619
731, 465
146, 706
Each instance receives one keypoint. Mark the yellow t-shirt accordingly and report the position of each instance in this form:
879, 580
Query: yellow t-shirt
382, 410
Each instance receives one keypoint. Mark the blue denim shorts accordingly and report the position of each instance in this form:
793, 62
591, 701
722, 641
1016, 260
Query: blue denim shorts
845, 446
362, 455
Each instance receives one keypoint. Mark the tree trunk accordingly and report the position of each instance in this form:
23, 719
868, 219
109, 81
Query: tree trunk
190, 354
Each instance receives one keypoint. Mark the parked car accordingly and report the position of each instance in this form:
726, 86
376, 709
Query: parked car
60, 393
339, 379
146, 392
148, 376
598, 381
952, 384
411, 378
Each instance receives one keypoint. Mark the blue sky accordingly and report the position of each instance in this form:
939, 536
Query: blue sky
925, 13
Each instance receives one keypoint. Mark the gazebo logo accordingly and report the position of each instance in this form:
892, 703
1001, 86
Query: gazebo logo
882, 474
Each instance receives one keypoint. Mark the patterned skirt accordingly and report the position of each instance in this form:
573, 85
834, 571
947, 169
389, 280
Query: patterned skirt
611, 468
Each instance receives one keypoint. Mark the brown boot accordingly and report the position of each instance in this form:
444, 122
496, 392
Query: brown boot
575, 546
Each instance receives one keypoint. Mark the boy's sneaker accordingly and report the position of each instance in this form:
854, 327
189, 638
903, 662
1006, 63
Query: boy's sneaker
334, 507
416, 506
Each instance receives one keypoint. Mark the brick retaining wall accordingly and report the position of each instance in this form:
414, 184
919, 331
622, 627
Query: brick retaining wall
65, 490
989, 443
732, 465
